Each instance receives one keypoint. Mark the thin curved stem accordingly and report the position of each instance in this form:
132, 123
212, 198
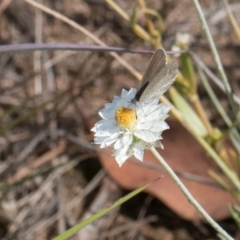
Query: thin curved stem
189, 197
215, 56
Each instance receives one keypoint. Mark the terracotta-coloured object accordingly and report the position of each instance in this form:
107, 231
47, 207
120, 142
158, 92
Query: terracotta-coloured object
184, 155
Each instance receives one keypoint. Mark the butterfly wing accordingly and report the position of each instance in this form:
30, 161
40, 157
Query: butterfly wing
156, 63
161, 78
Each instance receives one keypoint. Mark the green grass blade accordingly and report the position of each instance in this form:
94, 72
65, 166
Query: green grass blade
234, 135
216, 56
190, 116
101, 213
14, 109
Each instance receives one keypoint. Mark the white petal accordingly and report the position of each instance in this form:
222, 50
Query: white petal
164, 108
104, 125
118, 144
108, 112
121, 152
108, 142
159, 126
121, 155
138, 150
127, 138
159, 136
99, 140
124, 93
146, 136
108, 132
155, 112
121, 160
148, 114
128, 94
132, 92
145, 125
155, 115
158, 144
93, 129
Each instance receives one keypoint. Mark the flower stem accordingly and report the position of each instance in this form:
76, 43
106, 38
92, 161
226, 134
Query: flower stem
215, 55
189, 197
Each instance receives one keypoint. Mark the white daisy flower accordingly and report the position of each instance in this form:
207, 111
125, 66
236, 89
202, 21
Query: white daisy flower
129, 127
135, 121
183, 40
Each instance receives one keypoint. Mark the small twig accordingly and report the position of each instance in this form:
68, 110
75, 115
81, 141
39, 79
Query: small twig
37, 63
210, 74
21, 47
85, 32
108, 193
73, 47
40, 226
50, 155
61, 223
156, 167
38, 54
233, 132
31, 146
129, 226
141, 215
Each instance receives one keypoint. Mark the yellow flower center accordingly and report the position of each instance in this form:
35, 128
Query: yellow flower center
125, 117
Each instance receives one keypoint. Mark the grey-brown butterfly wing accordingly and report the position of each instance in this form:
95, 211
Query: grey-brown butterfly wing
156, 63
160, 81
